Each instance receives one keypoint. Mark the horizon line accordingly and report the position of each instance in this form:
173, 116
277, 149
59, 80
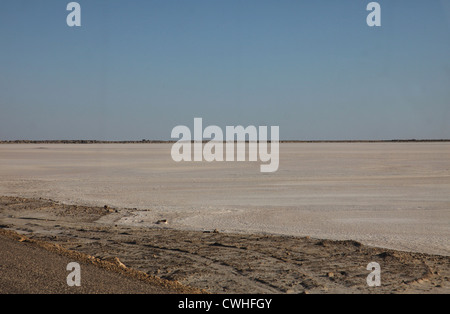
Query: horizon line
145, 141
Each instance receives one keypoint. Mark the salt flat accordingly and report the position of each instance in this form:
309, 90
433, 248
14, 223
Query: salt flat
393, 195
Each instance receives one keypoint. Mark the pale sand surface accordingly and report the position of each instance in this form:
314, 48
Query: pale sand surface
392, 195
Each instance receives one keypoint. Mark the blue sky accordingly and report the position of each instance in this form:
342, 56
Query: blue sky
136, 69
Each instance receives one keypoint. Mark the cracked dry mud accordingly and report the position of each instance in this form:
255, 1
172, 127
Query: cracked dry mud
224, 262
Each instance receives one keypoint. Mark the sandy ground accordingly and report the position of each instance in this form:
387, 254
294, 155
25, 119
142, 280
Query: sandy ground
34, 267
220, 262
313, 226
392, 195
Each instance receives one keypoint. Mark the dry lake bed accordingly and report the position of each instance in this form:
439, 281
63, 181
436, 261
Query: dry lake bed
394, 196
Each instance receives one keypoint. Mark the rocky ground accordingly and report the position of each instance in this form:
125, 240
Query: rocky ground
222, 262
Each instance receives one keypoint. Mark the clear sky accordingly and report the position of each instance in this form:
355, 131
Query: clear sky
136, 69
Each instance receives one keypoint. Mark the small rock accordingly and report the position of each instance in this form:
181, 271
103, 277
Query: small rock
115, 260
119, 263
162, 222
330, 275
